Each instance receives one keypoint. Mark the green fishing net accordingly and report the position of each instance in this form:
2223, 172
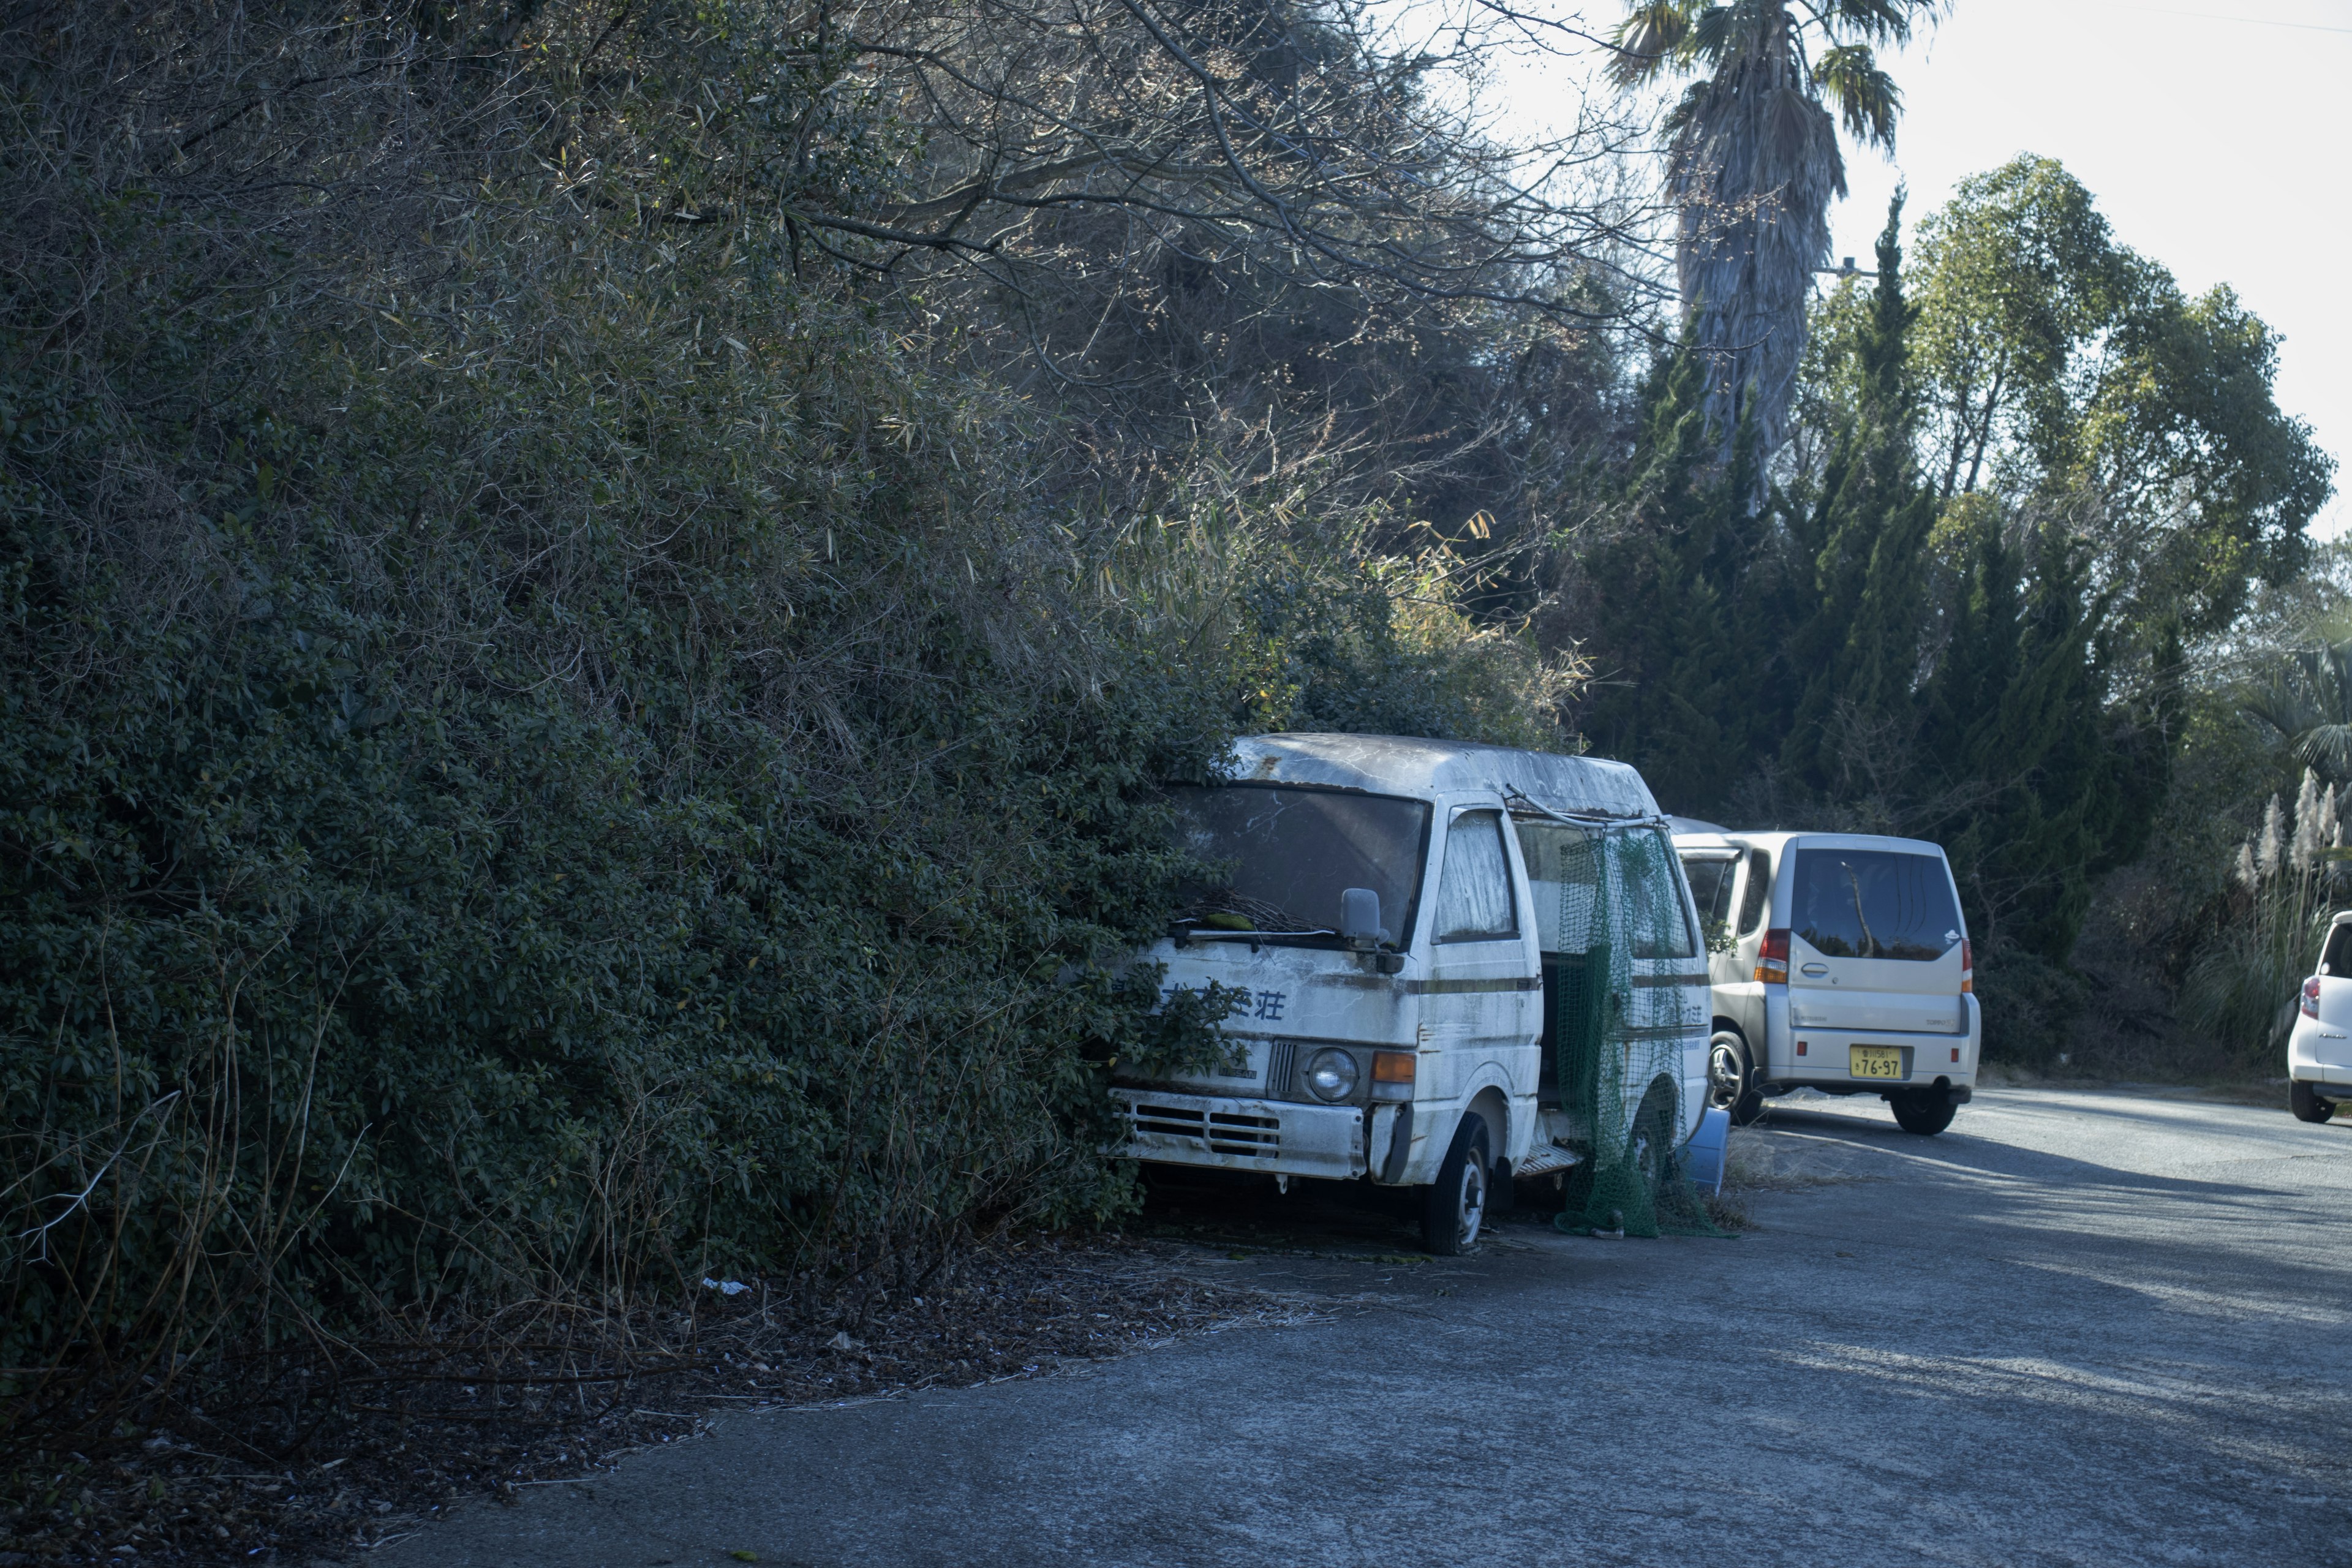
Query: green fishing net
1618, 1004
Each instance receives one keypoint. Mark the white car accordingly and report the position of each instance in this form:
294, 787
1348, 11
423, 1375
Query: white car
1840, 961
2319, 1052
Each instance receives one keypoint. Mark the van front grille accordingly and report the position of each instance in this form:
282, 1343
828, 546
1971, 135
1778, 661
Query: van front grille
1217, 1131
1281, 1066
1167, 1121
1234, 1134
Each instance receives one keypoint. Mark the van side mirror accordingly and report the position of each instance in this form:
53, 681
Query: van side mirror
1360, 917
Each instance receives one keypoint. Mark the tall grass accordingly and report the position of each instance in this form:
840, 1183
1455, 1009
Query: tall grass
2242, 991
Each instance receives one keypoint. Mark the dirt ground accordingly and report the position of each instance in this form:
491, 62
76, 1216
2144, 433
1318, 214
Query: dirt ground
503, 1414
2083, 1328
496, 1409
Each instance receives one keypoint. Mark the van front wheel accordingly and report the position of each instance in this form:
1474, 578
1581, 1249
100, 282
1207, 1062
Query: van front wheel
1454, 1205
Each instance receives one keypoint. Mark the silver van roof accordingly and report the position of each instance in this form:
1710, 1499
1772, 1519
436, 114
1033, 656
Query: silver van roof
1397, 765
1783, 838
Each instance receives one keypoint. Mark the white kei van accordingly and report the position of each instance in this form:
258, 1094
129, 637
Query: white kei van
2319, 1051
1841, 963
1463, 965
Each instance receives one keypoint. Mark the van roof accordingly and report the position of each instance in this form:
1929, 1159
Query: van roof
1398, 764
1718, 838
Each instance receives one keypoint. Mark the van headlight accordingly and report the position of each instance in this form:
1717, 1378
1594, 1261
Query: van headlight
1331, 1074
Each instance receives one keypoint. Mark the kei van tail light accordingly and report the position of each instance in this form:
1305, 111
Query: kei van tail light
1772, 959
2311, 998
1967, 967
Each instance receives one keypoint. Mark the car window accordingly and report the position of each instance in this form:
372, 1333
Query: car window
1873, 903
1713, 875
1756, 899
1474, 894
2336, 960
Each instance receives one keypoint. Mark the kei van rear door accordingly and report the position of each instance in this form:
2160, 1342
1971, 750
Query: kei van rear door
1875, 942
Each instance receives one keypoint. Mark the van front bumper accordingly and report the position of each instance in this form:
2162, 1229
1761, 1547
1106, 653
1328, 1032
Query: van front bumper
1273, 1136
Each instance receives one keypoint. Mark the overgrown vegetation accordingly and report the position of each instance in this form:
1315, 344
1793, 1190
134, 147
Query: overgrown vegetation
551, 745
2028, 481
596, 595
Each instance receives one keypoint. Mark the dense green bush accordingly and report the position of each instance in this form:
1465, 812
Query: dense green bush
505, 823
546, 751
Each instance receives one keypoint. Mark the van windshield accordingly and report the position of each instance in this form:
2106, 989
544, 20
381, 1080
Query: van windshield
1288, 854
1873, 903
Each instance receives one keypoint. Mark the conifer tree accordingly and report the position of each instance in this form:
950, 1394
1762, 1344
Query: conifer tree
2046, 782
1859, 650
1678, 618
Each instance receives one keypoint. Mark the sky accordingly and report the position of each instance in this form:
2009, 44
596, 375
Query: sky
2217, 139
2215, 135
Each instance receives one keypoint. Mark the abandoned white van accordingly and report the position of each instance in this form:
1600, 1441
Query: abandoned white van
1841, 963
1463, 964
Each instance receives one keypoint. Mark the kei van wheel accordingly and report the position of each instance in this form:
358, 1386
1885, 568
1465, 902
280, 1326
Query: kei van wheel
1925, 1114
2305, 1102
1731, 1078
1454, 1206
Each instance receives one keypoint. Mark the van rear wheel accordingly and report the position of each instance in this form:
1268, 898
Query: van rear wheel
1926, 1114
2305, 1102
1454, 1206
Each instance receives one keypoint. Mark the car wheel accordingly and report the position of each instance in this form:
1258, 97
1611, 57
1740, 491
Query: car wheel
2305, 1102
1925, 1114
1454, 1205
1731, 1078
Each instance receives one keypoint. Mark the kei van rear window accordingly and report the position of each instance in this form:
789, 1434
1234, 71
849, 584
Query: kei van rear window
1873, 903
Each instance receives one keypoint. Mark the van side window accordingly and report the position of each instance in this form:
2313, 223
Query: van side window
2336, 960
1658, 925
1757, 898
1564, 873
1474, 894
1713, 874
1710, 879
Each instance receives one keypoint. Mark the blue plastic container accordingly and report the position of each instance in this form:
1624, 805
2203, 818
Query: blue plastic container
1702, 1155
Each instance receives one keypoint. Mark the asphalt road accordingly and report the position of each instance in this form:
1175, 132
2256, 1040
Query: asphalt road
2078, 1329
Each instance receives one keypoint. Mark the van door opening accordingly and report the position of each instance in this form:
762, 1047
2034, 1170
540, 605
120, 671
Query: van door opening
1564, 875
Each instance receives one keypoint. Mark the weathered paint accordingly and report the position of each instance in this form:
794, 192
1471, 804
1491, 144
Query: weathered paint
1471, 1013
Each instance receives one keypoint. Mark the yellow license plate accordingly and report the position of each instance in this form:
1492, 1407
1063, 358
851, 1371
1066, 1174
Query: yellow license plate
1874, 1061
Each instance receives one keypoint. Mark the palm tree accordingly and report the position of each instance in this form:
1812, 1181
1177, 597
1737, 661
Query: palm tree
1752, 163
2303, 705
